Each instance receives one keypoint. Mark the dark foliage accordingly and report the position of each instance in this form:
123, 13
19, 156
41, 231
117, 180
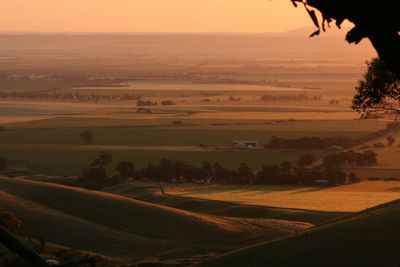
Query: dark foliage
144, 103
10, 221
95, 176
310, 143
306, 160
103, 158
168, 103
74, 97
297, 97
125, 171
87, 137
175, 171
378, 91
350, 158
391, 140
376, 20
327, 142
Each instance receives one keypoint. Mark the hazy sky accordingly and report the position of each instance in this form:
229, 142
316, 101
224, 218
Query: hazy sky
151, 15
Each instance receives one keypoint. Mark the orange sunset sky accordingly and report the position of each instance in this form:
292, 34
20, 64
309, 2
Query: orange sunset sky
151, 16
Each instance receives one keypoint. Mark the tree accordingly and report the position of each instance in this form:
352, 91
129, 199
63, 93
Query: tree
335, 176
269, 174
376, 20
87, 137
95, 176
10, 221
125, 171
391, 140
208, 170
353, 178
286, 172
378, 91
103, 158
246, 174
306, 160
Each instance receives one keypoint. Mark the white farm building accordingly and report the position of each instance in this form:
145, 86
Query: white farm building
244, 144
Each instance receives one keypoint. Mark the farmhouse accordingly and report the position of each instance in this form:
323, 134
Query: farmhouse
244, 144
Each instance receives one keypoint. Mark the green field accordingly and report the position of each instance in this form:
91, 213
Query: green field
54, 147
67, 160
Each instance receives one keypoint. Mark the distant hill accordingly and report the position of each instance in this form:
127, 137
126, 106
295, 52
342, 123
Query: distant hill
368, 238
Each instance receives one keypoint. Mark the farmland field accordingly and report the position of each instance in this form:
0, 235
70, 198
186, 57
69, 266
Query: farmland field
187, 98
347, 198
54, 147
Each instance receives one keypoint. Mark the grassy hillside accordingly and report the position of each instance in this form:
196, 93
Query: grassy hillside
114, 225
151, 193
368, 238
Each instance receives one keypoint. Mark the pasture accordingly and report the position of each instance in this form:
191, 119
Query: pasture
53, 146
347, 198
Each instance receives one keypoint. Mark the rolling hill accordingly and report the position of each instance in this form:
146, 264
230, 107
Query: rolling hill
150, 192
119, 226
368, 238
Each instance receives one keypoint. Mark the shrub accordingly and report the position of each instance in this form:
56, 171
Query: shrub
168, 103
10, 221
379, 145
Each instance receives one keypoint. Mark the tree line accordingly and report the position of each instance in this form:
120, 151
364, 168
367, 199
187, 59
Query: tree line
310, 142
327, 142
68, 96
298, 97
304, 172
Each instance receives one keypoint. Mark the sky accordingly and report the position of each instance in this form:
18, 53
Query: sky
151, 16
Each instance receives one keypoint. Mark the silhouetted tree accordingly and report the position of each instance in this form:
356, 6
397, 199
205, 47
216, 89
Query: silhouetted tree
87, 137
94, 177
376, 20
353, 178
208, 170
306, 160
269, 174
286, 172
391, 140
378, 91
335, 176
103, 158
125, 171
10, 221
245, 174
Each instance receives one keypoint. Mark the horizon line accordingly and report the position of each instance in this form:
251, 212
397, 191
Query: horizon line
154, 33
